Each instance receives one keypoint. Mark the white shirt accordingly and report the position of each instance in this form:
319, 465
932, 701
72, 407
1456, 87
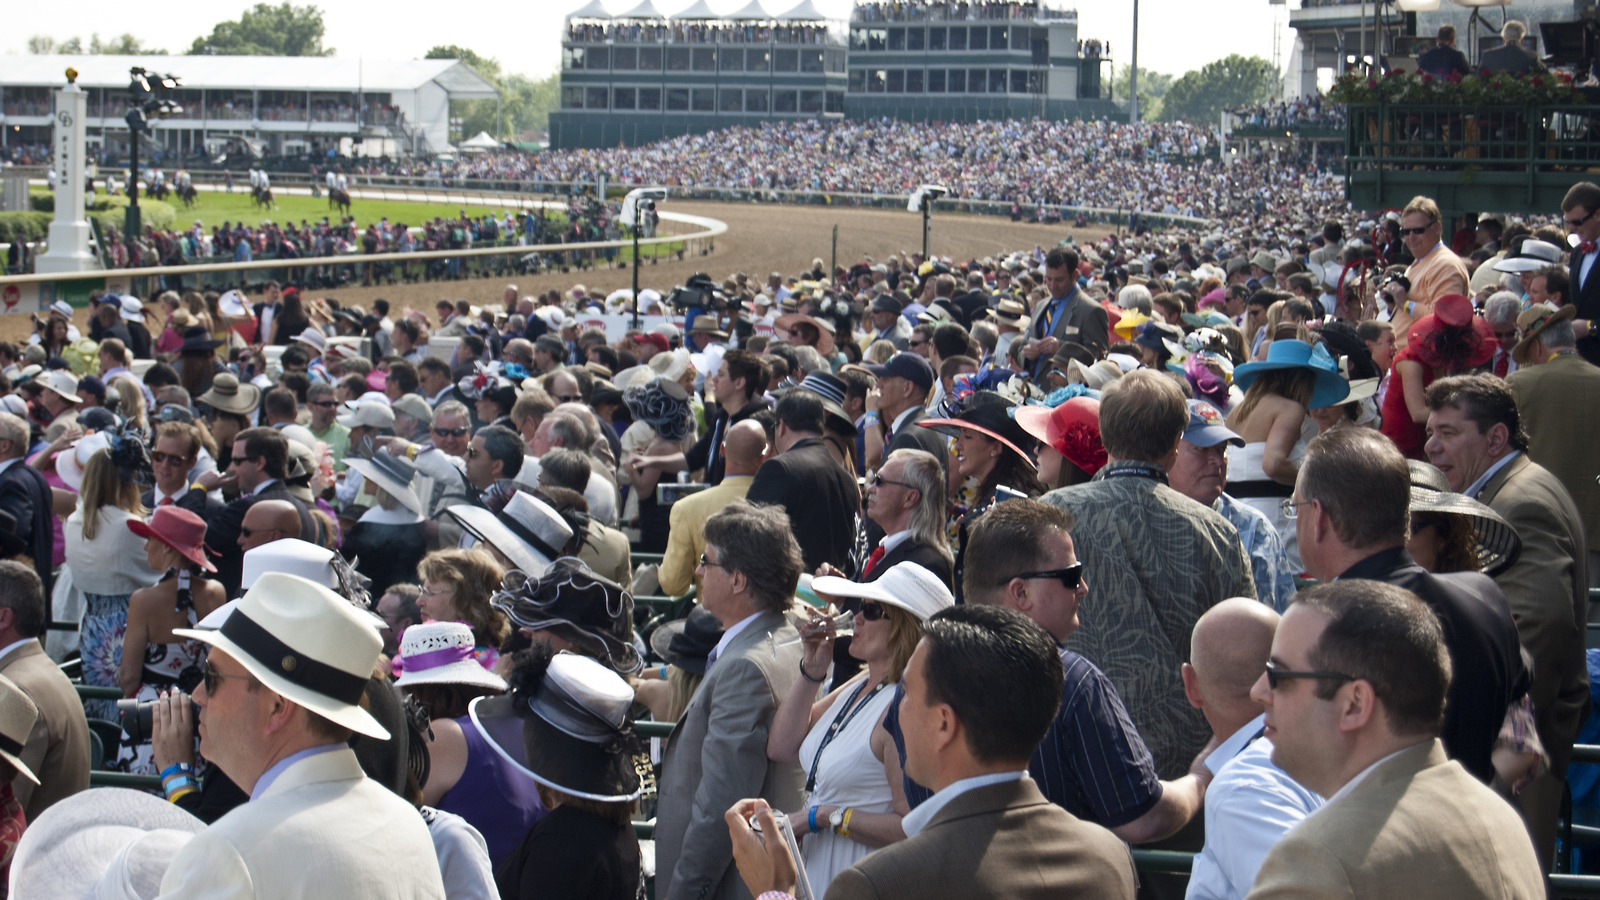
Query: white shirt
918, 818
1361, 775
1250, 806
901, 419
728, 636
1583, 271
1489, 473
6, 650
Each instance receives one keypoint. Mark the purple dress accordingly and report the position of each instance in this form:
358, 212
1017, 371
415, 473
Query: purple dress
494, 795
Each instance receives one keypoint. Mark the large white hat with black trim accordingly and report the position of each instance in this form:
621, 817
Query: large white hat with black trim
528, 531
305, 642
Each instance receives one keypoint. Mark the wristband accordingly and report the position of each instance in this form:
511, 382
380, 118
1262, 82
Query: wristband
811, 819
177, 768
807, 677
872, 418
775, 895
178, 784
197, 486
663, 672
844, 824
411, 452
181, 794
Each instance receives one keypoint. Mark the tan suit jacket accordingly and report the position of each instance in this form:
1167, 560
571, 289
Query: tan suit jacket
1417, 827
1003, 841
58, 747
1560, 403
608, 554
717, 754
1548, 591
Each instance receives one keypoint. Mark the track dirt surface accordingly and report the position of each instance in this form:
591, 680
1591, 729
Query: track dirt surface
761, 238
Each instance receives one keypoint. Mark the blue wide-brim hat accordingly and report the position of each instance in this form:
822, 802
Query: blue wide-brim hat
1291, 354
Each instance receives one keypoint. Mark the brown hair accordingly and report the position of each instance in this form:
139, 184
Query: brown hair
1142, 416
1295, 384
1004, 541
475, 576
1484, 400
102, 487
1458, 541
1361, 479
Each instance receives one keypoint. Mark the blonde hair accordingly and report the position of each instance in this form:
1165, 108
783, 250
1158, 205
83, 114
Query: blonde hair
101, 487
475, 575
1296, 384
130, 403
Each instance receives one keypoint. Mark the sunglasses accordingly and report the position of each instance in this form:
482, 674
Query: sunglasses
1578, 223
1408, 232
879, 481
569, 398
1070, 577
212, 676
451, 432
252, 532
1275, 675
159, 458
324, 404
870, 610
708, 564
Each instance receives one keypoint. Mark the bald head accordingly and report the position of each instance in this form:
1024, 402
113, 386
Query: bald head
1228, 651
744, 447
268, 521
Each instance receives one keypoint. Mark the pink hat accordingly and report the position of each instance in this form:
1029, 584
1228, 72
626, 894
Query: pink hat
1073, 429
377, 378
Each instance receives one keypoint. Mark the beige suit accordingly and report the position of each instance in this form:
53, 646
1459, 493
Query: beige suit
1417, 827
717, 754
58, 747
321, 829
1548, 591
608, 554
1560, 403
999, 841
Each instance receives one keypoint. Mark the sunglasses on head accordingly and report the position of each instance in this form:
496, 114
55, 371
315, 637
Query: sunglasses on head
1070, 577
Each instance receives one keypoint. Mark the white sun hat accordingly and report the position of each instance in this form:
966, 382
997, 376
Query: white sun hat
442, 653
101, 844
906, 586
305, 642
71, 462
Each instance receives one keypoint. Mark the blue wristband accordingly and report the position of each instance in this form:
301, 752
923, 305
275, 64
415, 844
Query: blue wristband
176, 769
811, 819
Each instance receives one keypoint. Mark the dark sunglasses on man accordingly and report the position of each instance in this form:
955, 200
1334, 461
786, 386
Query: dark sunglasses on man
1070, 577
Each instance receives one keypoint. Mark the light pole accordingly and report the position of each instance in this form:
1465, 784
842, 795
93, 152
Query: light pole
636, 201
147, 101
922, 201
1133, 71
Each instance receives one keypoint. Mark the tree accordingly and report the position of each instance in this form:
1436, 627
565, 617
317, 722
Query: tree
1153, 86
1201, 95
525, 104
266, 30
124, 45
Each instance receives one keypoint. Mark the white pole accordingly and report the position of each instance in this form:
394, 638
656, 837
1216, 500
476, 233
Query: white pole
69, 232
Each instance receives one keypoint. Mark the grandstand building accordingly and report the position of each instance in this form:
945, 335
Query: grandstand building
640, 76
279, 106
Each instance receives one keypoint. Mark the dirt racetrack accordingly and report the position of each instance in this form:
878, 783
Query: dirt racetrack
761, 238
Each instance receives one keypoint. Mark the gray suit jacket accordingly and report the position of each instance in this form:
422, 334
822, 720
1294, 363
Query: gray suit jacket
717, 754
1419, 827
999, 841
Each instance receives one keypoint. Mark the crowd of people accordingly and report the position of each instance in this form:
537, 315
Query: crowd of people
1313, 111
997, 567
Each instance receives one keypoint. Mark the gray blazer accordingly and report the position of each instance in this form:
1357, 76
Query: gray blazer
717, 754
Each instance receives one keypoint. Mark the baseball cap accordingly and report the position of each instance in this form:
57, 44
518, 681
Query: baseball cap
1206, 426
907, 365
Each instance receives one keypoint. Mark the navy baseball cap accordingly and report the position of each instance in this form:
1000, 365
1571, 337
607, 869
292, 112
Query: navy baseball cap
1207, 428
907, 365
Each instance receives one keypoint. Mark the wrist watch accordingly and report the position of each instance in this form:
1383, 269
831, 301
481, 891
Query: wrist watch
836, 818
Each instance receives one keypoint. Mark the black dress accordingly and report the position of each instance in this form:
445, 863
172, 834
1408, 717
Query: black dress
386, 553
573, 854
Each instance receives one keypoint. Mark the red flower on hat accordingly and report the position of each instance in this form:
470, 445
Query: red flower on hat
1082, 445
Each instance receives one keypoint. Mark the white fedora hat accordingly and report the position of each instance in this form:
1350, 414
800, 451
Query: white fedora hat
1533, 256
527, 531
314, 339
70, 462
442, 653
63, 383
906, 585
305, 642
101, 844
392, 474
291, 556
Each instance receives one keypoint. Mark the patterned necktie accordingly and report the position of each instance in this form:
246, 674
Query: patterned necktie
872, 561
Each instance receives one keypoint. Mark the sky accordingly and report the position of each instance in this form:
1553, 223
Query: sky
1175, 35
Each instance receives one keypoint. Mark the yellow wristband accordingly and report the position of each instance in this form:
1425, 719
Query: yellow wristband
182, 794
411, 453
844, 824
197, 486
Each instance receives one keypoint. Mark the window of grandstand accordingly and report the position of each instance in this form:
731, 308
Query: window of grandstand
958, 39
571, 97
977, 79
784, 102
936, 38
786, 61
835, 100
650, 98
705, 59
595, 98
703, 100
997, 37
811, 60
572, 57
978, 38
678, 59
623, 98
757, 60
649, 59
599, 59
811, 102
935, 81
877, 81
914, 81
732, 60
958, 81
677, 99
625, 59
897, 81
915, 38
730, 100
755, 100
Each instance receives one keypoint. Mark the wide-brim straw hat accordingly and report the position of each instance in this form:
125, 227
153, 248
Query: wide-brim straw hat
228, 395
392, 474
442, 653
1499, 545
101, 844
987, 413
179, 529
905, 586
527, 531
305, 642
1533, 321
825, 341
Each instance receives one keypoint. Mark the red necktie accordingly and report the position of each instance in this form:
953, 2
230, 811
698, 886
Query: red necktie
165, 501
1586, 248
1502, 364
872, 561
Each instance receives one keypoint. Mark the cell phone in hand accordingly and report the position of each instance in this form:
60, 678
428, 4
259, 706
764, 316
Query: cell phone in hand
802, 885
